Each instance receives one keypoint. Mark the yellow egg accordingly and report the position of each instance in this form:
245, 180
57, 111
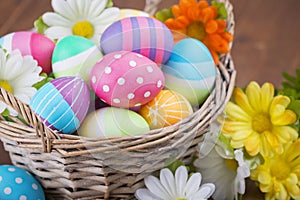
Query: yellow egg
167, 108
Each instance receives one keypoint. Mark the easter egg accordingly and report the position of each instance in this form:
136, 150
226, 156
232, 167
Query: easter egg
127, 12
126, 79
111, 121
29, 43
190, 71
167, 108
75, 55
17, 183
62, 103
143, 35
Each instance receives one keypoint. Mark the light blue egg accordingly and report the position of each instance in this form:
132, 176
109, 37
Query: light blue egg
18, 184
190, 71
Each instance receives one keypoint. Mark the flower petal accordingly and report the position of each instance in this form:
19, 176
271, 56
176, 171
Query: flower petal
107, 17
75, 6
241, 100
3, 106
145, 194
96, 7
193, 185
54, 19
205, 192
288, 117
63, 8
168, 181
155, 187
233, 126
267, 94
58, 32
13, 66
241, 135
253, 93
252, 144
235, 113
285, 133
181, 177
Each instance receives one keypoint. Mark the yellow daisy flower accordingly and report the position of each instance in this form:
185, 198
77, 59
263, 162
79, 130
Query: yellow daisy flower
279, 176
259, 121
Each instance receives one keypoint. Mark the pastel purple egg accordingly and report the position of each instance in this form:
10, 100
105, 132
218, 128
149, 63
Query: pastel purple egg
143, 35
62, 103
126, 79
30, 43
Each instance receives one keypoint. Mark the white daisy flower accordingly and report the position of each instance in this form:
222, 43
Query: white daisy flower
18, 74
179, 187
86, 18
226, 169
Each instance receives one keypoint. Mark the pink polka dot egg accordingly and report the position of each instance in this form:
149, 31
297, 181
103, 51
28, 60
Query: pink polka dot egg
126, 79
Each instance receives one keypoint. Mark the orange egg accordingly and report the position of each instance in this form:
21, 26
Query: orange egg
167, 108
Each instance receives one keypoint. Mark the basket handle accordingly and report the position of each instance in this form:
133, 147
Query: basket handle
32, 120
151, 6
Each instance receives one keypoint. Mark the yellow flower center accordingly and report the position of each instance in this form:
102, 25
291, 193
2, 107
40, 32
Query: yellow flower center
261, 123
231, 164
84, 29
280, 169
5, 85
181, 199
196, 30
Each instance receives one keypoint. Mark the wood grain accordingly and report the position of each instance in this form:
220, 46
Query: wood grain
266, 39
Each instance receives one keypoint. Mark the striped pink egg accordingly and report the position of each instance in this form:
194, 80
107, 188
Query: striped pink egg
143, 35
29, 43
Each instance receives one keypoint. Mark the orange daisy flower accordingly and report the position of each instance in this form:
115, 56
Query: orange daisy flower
199, 20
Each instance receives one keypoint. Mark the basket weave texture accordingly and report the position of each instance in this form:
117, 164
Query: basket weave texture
73, 167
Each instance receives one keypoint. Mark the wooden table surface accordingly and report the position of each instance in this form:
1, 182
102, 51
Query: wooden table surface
266, 39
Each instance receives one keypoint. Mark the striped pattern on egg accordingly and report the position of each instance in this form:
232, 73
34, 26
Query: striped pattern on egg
167, 108
75, 55
62, 103
190, 71
29, 43
143, 35
126, 79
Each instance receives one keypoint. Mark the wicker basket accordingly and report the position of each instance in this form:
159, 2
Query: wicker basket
73, 167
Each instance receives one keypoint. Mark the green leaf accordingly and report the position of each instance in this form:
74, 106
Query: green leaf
44, 81
175, 163
289, 77
5, 113
164, 14
109, 4
222, 12
295, 106
40, 25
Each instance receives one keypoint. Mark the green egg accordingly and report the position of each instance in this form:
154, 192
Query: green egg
75, 56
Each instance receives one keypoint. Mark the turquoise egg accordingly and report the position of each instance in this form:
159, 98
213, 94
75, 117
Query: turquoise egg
16, 183
190, 71
75, 56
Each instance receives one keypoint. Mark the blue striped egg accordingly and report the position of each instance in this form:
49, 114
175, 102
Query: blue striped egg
190, 71
62, 103
143, 35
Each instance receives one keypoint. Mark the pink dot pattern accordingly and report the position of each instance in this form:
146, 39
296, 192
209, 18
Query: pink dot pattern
126, 79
